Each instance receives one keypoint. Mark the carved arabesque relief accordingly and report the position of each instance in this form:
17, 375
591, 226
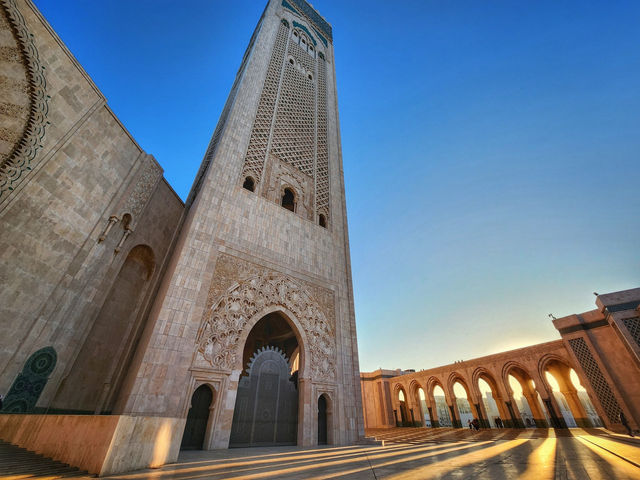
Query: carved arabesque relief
281, 176
227, 319
149, 176
16, 164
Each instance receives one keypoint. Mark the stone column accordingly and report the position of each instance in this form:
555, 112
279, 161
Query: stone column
455, 414
306, 437
577, 409
534, 405
483, 418
514, 421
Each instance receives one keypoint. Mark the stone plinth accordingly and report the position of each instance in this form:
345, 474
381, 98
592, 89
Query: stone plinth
100, 444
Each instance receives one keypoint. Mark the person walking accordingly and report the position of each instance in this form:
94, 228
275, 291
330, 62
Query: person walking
625, 423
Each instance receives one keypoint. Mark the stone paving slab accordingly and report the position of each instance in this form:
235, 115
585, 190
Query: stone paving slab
423, 454
420, 453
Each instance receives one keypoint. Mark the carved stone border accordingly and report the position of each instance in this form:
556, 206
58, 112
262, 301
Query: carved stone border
255, 289
22, 159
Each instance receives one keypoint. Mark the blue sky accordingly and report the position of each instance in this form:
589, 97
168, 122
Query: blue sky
491, 149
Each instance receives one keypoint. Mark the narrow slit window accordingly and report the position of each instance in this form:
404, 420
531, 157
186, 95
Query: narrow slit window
289, 200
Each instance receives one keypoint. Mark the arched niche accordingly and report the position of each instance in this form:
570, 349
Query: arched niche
325, 420
98, 371
198, 424
28, 385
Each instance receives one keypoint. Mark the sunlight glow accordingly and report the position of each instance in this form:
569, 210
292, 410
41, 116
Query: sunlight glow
515, 386
439, 469
459, 390
484, 387
541, 463
553, 383
161, 445
576, 381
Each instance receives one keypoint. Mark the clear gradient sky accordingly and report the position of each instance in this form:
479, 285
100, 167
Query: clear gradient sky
491, 149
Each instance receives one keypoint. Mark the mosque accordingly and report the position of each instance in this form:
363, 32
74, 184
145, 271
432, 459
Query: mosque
137, 325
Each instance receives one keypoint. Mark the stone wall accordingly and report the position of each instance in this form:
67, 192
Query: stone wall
225, 221
99, 444
605, 347
85, 174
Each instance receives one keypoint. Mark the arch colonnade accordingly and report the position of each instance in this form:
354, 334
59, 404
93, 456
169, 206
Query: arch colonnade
585, 379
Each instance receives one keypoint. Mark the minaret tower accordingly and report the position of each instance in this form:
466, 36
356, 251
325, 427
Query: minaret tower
252, 339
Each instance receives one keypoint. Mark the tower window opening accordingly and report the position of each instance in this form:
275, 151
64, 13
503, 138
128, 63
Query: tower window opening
291, 61
310, 77
289, 200
249, 184
322, 220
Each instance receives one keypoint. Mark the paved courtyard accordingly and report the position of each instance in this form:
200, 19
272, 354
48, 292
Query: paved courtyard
406, 453
420, 453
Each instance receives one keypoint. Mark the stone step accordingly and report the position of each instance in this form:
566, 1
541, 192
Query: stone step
20, 463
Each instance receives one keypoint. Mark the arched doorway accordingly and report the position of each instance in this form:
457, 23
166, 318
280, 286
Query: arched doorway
28, 385
571, 397
490, 401
442, 408
422, 402
322, 420
526, 410
266, 409
197, 419
401, 413
463, 404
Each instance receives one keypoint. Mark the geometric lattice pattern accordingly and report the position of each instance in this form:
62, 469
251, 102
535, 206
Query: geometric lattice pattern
294, 134
596, 378
259, 141
322, 172
633, 325
291, 119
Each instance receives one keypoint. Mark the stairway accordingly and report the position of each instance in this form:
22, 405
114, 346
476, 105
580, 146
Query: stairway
19, 463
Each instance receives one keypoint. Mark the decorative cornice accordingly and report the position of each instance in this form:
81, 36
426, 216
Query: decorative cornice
306, 10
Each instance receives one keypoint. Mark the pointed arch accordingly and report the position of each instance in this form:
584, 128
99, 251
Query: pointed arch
229, 321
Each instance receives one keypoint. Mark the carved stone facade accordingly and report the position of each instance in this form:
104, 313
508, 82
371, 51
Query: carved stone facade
242, 256
23, 89
78, 274
143, 299
219, 337
288, 144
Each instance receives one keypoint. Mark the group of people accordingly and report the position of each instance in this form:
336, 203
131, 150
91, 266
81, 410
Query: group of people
473, 424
